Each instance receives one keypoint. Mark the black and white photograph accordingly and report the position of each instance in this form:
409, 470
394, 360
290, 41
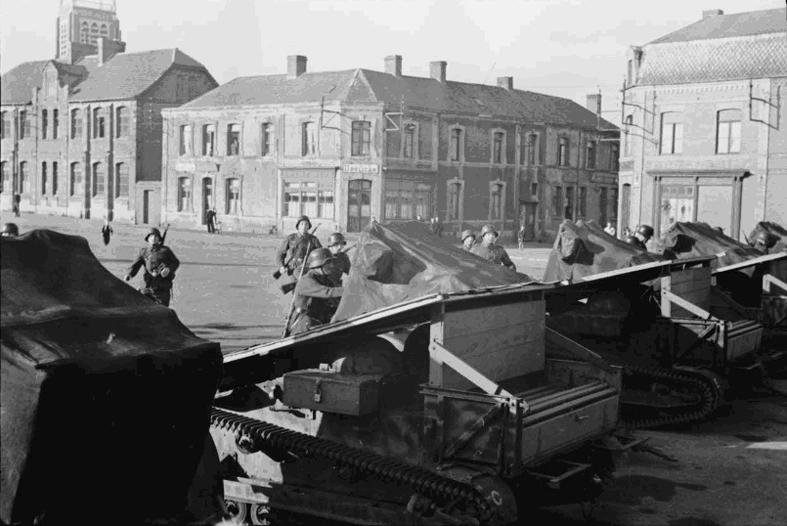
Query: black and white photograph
393, 262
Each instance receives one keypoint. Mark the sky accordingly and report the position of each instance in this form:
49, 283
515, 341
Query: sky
567, 48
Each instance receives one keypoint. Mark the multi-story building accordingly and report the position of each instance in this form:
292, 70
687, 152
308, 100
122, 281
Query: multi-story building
705, 135
83, 138
348, 146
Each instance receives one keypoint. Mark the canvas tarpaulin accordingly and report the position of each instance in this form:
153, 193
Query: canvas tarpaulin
583, 249
688, 240
402, 261
105, 395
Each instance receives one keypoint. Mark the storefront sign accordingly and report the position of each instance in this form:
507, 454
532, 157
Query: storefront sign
360, 168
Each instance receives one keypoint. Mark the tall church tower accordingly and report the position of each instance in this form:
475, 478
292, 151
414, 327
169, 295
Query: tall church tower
80, 26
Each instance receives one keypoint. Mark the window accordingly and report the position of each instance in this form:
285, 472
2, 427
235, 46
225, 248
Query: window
233, 196
583, 201
24, 118
266, 138
76, 179
76, 124
534, 190
54, 178
99, 179
603, 205
557, 201
55, 123
728, 131
44, 123
496, 202
568, 213
628, 123
5, 183
532, 148
43, 178
361, 137
408, 148
307, 139
590, 155
121, 180
98, 123
454, 199
614, 158
307, 198
184, 140
6, 129
497, 147
407, 200
233, 139
562, 151
208, 139
457, 145
671, 133
121, 122
184, 194
23, 177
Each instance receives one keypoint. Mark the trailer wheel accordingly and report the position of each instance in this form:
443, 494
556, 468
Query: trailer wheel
236, 510
261, 514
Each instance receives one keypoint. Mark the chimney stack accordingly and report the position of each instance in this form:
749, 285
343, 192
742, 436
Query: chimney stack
594, 103
711, 12
506, 82
296, 66
437, 70
393, 65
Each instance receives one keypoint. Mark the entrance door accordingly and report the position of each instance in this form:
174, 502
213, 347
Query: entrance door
359, 204
151, 207
207, 197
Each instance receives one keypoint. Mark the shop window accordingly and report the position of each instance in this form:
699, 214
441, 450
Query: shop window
456, 147
590, 155
75, 182
121, 180
184, 194
43, 178
614, 158
308, 146
54, 178
55, 123
307, 198
99, 179
121, 122
562, 151
76, 124
44, 124
184, 140
98, 123
408, 148
671, 133
233, 139
498, 147
208, 140
266, 139
728, 131
407, 200
361, 137
232, 191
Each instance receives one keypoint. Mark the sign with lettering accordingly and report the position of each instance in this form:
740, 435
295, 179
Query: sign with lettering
360, 168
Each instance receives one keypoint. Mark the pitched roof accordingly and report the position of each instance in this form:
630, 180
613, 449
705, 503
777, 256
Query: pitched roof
734, 25
16, 86
363, 85
128, 75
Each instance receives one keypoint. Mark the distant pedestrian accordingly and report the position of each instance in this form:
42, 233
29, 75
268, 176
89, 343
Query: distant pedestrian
106, 231
490, 251
609, 229
159, 264
520, 237
10, 230
436, 226
468, 240
210, 219
16, 203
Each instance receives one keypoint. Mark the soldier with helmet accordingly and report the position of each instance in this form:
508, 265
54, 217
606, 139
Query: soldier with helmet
643, 235
10, 230
491, 251
341, 261
468, 240
764, 241
316, 294
295, 247
159, 264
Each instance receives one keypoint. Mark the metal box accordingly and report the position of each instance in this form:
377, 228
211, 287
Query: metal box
332, 392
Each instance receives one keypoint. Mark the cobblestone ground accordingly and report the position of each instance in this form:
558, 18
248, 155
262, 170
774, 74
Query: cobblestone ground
731, 471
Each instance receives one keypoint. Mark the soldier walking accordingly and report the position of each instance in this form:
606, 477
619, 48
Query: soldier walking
316, 294
341, 261
294, 248
159, 264
490, 250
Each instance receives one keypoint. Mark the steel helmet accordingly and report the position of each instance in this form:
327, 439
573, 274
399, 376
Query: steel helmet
301, 219
318, 257
153, 231
10, 230
337, 238
645, 230
467, 233
489, 229
765, 238
631, 240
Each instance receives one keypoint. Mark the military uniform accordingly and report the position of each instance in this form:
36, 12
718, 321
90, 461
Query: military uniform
340, 265
315, 301
494, 254
293, 251
153, 259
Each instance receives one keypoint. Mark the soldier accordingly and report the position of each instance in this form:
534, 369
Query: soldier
295, 248
10, 230
764, 241
106, 231
643, 235
635, 242
160, 265
491, 251
315, 294
341, 261
468, 239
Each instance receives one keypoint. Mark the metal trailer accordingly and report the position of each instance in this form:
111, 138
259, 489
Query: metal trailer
449, 409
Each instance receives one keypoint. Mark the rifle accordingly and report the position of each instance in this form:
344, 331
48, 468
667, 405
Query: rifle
164, 234
289, 287
277, 274
286, 330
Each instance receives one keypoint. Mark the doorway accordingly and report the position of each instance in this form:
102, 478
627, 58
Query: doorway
207, 198
151, 207
359, 204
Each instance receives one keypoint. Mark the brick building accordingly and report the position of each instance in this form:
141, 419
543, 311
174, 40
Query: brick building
705, 136
81, 134
346, 146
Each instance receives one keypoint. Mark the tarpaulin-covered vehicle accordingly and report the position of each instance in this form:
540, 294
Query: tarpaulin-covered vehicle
105, 395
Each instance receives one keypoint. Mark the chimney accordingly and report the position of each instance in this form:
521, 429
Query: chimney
393, 65
594, 103
506, 82
101, 44
437, 70
296, 66
711, 12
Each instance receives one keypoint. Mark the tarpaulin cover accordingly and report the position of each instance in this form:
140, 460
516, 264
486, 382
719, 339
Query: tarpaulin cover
105, 395
403, 261
777, 268
583, 249
688, 240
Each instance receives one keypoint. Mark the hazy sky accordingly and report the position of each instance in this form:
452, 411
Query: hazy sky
561, 47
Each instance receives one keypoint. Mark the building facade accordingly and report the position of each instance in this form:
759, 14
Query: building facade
83, 138
347, 146
704, 132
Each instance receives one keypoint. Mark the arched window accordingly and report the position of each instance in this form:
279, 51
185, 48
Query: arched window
75, 182
98, 123
121, 122
76, 123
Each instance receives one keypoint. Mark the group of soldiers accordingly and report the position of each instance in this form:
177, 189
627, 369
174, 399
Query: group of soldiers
485, 246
